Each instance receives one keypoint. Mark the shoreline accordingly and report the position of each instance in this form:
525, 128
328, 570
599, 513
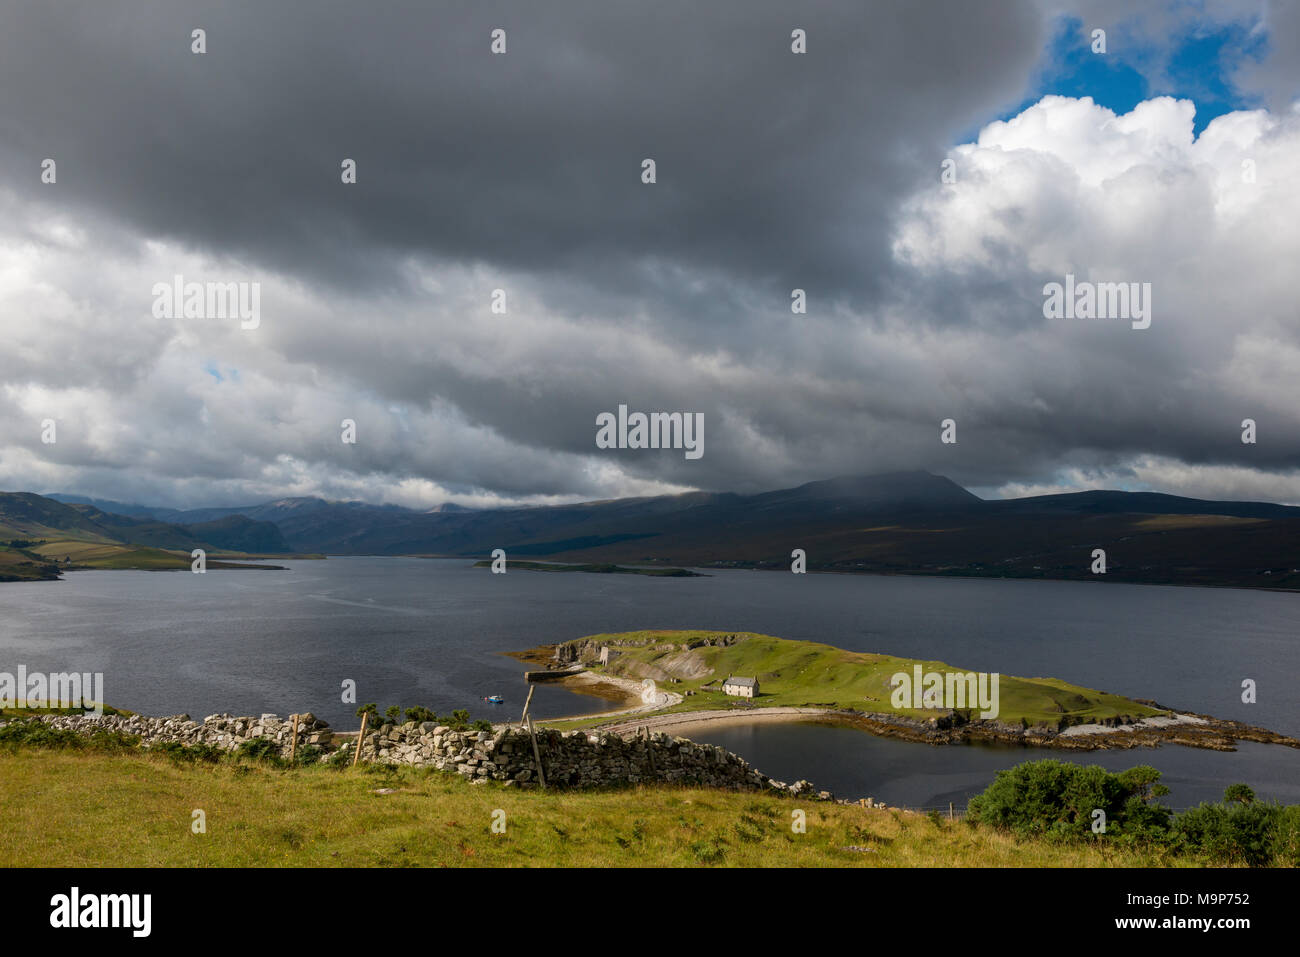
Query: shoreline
627, 688
1002, 578
723, 566
1185, 728
685, 721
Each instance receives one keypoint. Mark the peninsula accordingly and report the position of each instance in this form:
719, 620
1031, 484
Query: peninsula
675, 680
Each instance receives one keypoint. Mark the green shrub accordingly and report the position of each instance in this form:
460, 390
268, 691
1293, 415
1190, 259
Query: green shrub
259, 749
1239, 793
1286, 837
710, 851
191, 754
1236, 832
1058, 799
458, 720
421, 714
309, 754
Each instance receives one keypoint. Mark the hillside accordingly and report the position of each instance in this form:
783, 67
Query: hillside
912, 523
17, 565
30, 516
39, 536
260, 816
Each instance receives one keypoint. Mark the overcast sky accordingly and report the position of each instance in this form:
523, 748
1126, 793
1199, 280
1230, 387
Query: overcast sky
523, 172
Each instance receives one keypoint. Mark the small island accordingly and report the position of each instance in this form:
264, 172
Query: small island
694, 683
595, 569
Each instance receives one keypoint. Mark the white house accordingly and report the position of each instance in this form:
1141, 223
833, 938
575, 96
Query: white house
741, 687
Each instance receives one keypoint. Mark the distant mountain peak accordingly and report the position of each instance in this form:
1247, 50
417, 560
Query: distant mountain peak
904, 490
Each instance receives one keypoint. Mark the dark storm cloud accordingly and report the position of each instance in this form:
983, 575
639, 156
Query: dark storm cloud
775, 171
772, 167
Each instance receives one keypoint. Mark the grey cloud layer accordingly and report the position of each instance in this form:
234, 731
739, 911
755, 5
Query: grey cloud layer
522, 171
771, 165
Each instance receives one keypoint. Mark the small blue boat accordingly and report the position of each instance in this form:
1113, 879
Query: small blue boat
494, 699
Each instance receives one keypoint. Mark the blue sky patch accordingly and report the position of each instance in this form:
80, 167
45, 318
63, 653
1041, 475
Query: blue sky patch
1197, 64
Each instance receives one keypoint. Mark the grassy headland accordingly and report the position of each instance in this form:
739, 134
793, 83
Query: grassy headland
22, 564
806, 680
77, 556
810, 674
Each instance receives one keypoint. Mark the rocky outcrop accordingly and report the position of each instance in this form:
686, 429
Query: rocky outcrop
1191, 730
681, 663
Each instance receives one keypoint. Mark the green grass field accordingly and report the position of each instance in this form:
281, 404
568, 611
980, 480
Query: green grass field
111, 555
86, 808
134, 557
23, 565
805, 673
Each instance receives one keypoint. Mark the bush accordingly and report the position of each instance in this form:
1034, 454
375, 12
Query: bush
191, 754
309, 754
1286, 837
1235, 831
1058, 799
458, 720
420, 715
259, 749
1239, 793
711, 850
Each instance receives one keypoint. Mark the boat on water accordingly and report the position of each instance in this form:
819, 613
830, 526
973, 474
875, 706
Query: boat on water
494, 699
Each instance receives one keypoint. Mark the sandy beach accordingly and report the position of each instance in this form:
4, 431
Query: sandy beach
684, 722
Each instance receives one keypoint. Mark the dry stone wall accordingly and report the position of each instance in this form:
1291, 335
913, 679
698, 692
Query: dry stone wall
570, 759
224, 731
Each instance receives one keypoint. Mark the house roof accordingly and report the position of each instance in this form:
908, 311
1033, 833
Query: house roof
743, 682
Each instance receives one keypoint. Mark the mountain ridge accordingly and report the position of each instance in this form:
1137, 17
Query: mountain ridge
909, 522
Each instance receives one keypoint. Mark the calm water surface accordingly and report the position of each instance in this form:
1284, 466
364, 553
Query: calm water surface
413, 631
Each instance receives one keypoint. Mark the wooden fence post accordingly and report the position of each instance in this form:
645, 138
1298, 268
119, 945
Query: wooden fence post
293, 744
541, 774
649, 751
524, 717
361, 736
